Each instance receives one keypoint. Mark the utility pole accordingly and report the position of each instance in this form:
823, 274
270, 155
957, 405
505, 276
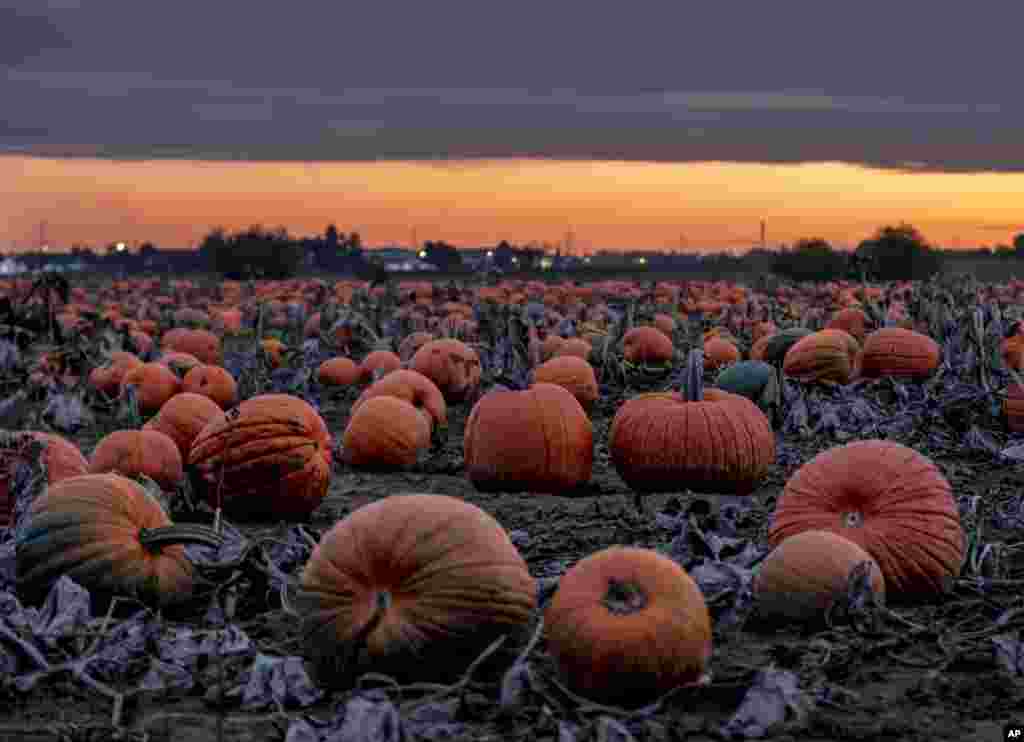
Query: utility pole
764, 234
568, 242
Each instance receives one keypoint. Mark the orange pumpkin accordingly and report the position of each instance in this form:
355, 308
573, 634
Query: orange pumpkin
573, 374
182, 418
213, 382
134, 452
378, 363
451, 364
1013, 408
806, 573
338, 371
414, 388
826, 356
627, 625
647, 345
107, 378
895, 351
537, 440
202, 344
719, 352
57, 458
852, 320
385, 432
153, 383
408, 347
890, 500
269, 457
415, 586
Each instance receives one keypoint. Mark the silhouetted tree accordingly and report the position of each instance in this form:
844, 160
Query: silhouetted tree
810, 259
441, 254
899, 253
1018, 245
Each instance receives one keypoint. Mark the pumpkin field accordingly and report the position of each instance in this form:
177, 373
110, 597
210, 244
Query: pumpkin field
313, 510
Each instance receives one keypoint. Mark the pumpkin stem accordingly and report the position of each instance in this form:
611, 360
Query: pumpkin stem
624, 598
693, 380
152, 539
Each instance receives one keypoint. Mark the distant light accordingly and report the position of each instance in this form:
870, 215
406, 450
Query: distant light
46, 248
586, 259
642, 261
423, 253
490, 253
120, 247
545, 262
515, 260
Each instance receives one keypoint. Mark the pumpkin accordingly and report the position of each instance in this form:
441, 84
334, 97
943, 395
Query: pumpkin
412, 343
805, 574
1013, 408
451, 364
574, 375
385, 432
718, 352
182, 418
55, 457
101, 531
627, 625
887, 498
269, 457
107, 378
273, 351
665, 323
202, 344
852, 320
537, 440
824, 356
338, 371
178, 362
214, 382
414, 388
1011, 350
895, 351
414, 586
378, 363
746, 378
139, 452
153, 383
709, 441
647, 345
578, 347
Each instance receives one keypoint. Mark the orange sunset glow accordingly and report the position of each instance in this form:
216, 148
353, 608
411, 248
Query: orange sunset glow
607, 205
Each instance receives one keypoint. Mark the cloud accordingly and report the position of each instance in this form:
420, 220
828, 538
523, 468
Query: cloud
24, 35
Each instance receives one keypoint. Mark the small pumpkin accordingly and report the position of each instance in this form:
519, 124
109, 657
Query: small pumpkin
385, 432
153, 383
574, 375
214, 382
451, 364
139, 452
415, 586
98, 530
778, 345
887, 498
537, 440
338, 371
414, 388
626, 625
107, 378
718, 352
806, 573
201, 344
412, 343
647, 345
182, 418
269, 457
1013, 408
378, 363
823, 356
55, 457
851, 320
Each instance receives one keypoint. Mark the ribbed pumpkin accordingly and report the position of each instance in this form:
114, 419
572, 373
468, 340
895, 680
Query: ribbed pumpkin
826, 355
154, 384
93, 528
107, 378
887, 498
707, 441
573, 374
719, 352
537, 440
134, 452
411, 386
273, 453
647, 345
202, 344
56, 457
778, 344
627, 625
1012, 352
806, 573
385, 432
895, 351
451, 364
1013, 408
378, 363
573, 347
415, 586
182, 418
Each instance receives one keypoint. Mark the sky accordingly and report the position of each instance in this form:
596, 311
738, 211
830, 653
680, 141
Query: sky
639, 125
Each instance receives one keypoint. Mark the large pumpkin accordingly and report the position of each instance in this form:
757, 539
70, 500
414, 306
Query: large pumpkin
139, 452
93, 528
182, 419
709, 441
805, 574
627, 625
154, 384
214, 382
573, 374
269, 457
412, 387
56, 458
895, 351
536, 440
647, 345
887, 498
415, 586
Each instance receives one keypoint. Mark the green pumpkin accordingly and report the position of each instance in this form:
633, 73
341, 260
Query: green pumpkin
779, 343
746, 378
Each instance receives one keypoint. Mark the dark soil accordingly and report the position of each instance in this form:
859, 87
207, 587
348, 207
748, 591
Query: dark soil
903, 683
